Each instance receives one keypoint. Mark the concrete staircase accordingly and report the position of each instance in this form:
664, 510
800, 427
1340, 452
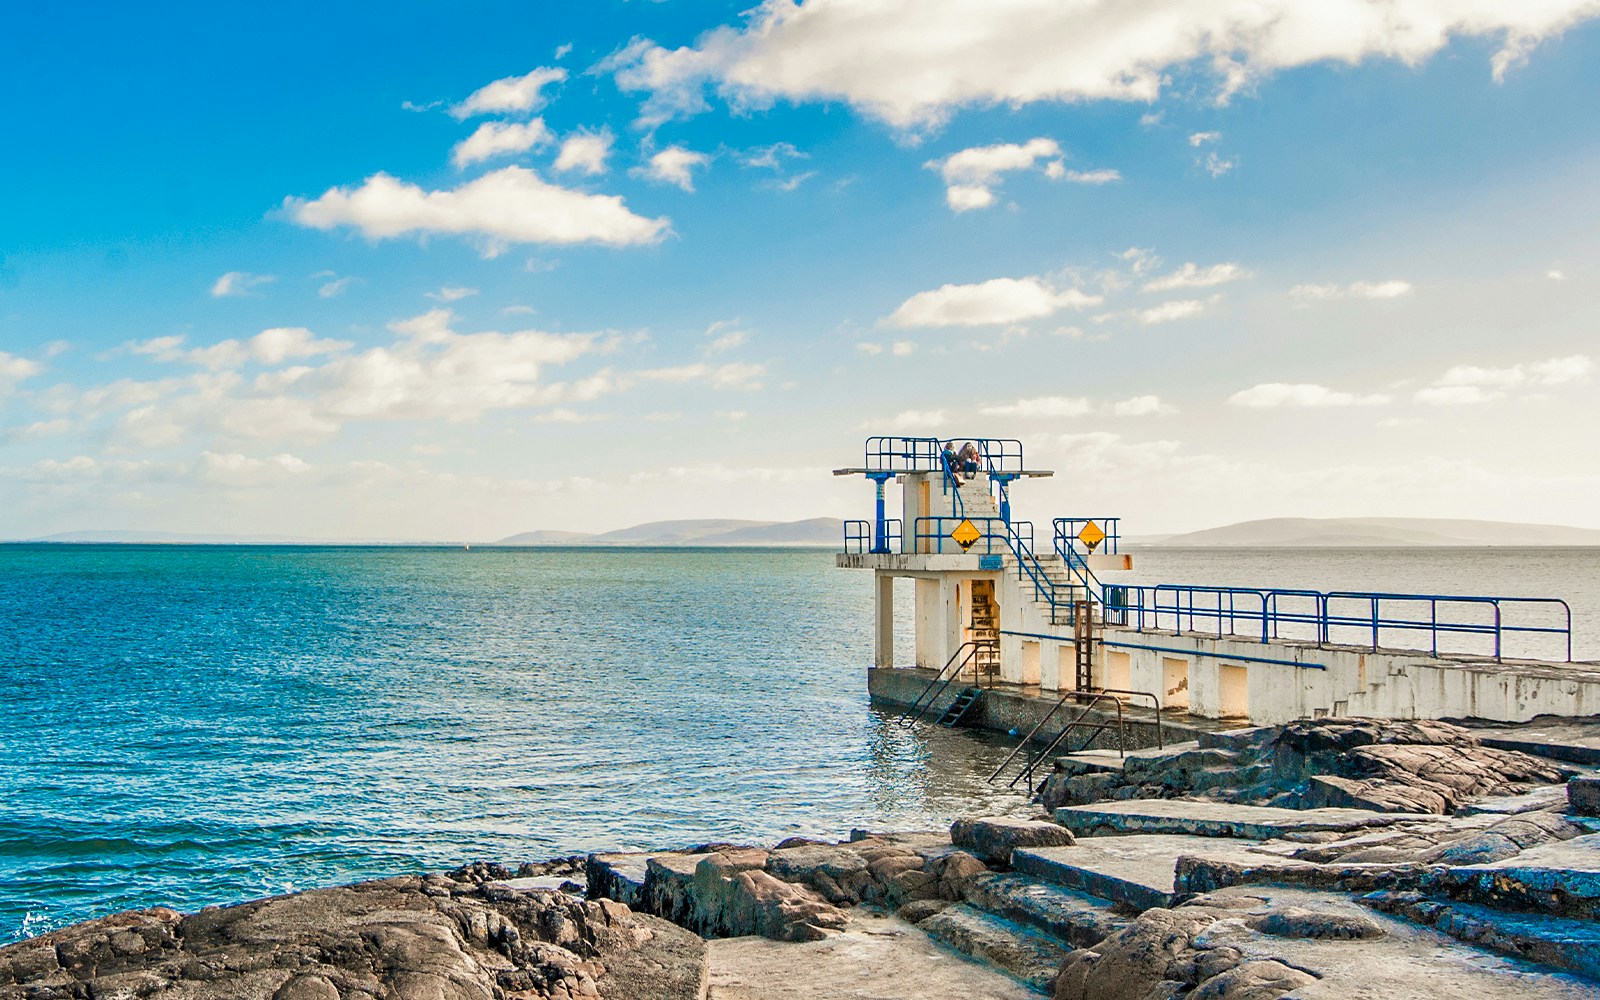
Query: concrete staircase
978, 502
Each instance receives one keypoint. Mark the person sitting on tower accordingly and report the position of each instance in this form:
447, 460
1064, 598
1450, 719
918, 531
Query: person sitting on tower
969, 458
952, 462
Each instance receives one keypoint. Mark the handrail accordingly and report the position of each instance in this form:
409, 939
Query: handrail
858, 535
1319, 614
1050, 748
1031, 733
1067, 528
941, 682
895, 453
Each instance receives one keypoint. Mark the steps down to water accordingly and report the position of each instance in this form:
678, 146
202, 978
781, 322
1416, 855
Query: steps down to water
965, 701
1072, 918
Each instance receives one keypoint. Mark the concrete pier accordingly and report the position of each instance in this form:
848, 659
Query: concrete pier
995, 605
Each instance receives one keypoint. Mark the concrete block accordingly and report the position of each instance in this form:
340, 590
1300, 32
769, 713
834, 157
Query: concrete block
994, 838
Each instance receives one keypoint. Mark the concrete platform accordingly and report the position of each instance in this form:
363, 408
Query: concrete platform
1216, 819
1138, 870
1077, 918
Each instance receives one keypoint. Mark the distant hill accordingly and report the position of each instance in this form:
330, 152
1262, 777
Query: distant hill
1348, 532
714, 531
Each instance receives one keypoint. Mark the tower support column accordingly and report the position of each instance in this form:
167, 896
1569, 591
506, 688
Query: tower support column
883, 613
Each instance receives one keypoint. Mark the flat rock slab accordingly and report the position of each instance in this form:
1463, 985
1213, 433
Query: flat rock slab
881, 958
1216, 819
1138, 870
1576, 741
1508, 805
1021, 951
1561, 878
1408, 962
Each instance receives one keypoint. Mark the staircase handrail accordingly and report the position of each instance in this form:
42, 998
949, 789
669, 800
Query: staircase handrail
1079, 567
936, 687
1095, 698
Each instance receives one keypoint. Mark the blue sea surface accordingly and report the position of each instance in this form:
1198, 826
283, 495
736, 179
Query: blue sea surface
186, 725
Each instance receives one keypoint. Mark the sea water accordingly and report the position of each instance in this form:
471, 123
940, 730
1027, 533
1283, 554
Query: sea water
192, 725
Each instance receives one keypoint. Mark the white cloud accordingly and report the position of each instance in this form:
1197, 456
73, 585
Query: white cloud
734, 375
988, 303
1056, 171
510, 205
451, 293
1041, 406
903, 348
1199, 138
1276, 395
239, 283
269, 347
912, 62
429, 371
1392, 289
1216, 165
1470, 384
13, 370
1555, 371
1193, 276
674, 165
971, 174
1140, 406
334, 288
965, 197
1556, 274
726, 342
771, 157
868, 348
511, 94
1139, 259
493, 139
1177, 309
586, 151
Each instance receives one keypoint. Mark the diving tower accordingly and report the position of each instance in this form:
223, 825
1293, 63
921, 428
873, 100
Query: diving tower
999, 602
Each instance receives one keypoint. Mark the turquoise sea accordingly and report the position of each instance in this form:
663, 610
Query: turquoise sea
192, 725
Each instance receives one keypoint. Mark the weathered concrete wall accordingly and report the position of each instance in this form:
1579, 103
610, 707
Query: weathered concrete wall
1003, 711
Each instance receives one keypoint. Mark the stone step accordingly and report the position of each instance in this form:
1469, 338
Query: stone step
1573, 945
1091, 762
1018, 951
1139, 870
1073, 918
1215, 819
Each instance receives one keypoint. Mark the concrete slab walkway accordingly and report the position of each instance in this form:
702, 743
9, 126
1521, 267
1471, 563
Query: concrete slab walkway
876, 958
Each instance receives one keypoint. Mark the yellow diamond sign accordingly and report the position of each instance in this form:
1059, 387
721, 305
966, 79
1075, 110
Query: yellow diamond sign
1091, 535
965, 534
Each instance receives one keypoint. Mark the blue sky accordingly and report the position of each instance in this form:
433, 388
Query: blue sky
1209, 261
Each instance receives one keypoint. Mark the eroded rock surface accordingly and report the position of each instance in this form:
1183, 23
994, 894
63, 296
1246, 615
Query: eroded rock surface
464, 936
1380, 765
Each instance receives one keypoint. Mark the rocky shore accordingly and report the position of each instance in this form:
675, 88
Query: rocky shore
1337, 858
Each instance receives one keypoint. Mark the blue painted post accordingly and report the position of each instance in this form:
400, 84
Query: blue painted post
880, 527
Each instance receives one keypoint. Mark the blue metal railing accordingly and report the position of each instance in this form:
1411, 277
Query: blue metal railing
1067, 528
1334, 618
858, 535
932, 535
926, 454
